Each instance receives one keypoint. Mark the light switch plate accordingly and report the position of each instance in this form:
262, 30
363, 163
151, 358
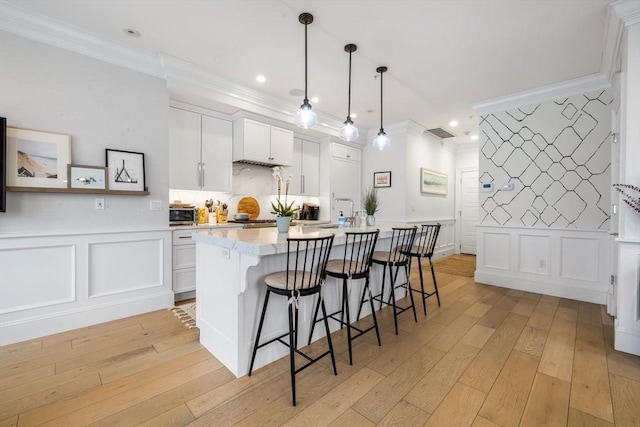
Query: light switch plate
155, 205
99, 203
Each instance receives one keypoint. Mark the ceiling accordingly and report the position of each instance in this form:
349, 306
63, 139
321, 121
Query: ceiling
442, 55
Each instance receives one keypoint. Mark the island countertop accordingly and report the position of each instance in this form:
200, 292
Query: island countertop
268, 241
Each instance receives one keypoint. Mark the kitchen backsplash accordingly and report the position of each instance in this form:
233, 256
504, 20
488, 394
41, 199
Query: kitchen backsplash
248, 180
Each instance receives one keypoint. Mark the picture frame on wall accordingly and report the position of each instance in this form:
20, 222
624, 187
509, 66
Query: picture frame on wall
37, 158
433, 182
87, 177
125, 170
382, 179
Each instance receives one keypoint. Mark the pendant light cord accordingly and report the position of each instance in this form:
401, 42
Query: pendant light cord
381, 128
349, 102
306, 100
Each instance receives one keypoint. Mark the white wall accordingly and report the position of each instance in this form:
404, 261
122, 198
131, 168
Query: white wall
557, 155
63, 264
101, 106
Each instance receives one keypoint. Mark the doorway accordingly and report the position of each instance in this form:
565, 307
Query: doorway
467, 208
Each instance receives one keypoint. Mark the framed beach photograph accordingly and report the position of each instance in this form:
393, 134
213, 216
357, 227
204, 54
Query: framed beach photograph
87, 177
382, 179
37, 159
126, 170
432, 182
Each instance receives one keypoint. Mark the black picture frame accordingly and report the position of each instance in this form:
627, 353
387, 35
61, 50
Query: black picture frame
125, 170
382, 179
3, 164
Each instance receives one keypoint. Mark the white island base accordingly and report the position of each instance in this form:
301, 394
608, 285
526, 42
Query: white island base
230, 268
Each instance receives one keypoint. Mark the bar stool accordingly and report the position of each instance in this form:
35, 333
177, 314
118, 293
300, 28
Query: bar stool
395, 257
306, 270
354, 265
424, 247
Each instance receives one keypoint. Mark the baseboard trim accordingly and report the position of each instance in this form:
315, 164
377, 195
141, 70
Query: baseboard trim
553, 289
627, 342
36, 327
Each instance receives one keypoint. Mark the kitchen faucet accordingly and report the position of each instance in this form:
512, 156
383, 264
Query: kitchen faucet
348, 219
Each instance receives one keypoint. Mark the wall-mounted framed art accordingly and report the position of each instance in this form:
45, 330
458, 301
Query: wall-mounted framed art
432, 182
87, 177
37, 158
125, 170
382, 179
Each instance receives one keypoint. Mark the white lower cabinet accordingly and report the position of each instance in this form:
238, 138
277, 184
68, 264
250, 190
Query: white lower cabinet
184, 261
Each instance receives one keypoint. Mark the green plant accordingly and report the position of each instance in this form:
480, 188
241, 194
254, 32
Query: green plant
370, 201
279, 208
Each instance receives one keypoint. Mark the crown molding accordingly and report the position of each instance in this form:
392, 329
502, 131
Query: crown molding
620, 14
17, 20
563, 89
468, 146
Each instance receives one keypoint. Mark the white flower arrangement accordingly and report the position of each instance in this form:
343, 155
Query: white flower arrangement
279, 208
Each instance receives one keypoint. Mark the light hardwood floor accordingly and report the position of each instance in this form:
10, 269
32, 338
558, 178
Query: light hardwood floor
488, 357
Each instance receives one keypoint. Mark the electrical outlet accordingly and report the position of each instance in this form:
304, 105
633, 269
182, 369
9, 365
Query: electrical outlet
542, 263
155, 205
99, 203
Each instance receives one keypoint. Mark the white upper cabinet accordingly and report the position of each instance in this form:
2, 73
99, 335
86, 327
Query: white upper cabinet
262, 143
200, 151
306, 168
346, 152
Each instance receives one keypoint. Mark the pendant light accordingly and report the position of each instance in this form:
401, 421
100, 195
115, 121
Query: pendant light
382, 140
349, 132
305, 117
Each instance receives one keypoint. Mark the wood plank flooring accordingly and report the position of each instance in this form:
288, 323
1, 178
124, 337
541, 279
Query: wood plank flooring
488, 356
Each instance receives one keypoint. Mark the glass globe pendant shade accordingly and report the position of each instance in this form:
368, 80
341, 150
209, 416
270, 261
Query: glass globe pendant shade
381, 141
349, 132
305, 117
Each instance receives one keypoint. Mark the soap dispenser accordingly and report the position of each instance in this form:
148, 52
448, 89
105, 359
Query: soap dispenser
341, 220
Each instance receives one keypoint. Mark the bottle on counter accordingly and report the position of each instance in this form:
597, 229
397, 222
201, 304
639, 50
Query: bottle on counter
341, 220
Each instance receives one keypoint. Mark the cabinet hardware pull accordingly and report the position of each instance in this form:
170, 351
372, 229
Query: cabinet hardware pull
184, 237
203, 172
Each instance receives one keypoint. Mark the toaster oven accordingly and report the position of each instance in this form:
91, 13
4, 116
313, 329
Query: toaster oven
183, 216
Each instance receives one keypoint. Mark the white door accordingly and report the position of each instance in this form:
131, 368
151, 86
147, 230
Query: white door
468, 211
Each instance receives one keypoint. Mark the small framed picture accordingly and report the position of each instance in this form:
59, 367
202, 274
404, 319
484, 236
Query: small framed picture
432, 182
37, 159
382, 179
87, 177
125, 170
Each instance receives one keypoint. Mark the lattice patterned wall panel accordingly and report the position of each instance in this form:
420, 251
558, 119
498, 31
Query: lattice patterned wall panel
557, 155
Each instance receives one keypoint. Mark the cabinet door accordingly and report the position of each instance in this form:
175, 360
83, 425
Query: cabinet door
257, 140
310, 168
281, 146
354, 154
217, 148
184, 149
296, 169
345, 183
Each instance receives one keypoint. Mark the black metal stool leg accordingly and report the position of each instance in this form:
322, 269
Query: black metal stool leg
326, 326
345, 307
424, 298
384, 270
292, 353
314, 320
393, 299
255, 344
435, 285
373, 311
408, 285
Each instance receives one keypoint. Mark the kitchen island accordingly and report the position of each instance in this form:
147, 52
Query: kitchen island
230, 268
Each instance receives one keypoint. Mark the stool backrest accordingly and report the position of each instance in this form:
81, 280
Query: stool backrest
307, 261
426, 241
401, 239
358, 250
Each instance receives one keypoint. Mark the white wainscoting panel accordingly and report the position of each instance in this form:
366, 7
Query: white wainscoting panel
560, 262
125, 265
627, 325
496, 248
53, 282
579, 258
534, 254
445, 245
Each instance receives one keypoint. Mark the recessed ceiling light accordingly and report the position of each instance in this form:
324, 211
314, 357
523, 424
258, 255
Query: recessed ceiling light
261, 78
453, 123
474, 137
131, 32
315, 100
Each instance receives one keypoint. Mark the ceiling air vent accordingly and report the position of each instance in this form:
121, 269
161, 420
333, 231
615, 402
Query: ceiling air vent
440, 133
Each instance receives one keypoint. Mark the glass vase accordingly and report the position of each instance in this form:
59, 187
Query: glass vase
371, 221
